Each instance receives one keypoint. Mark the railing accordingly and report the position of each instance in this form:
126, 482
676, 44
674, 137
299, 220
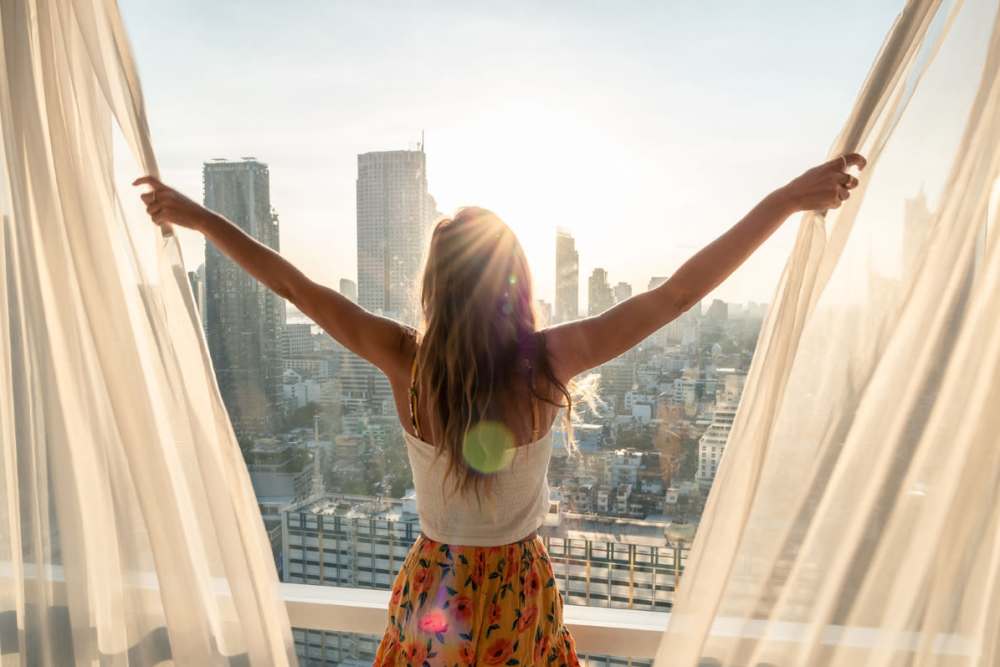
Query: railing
621, 632
627, 633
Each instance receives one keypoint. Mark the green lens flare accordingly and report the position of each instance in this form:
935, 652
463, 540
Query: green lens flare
488, 447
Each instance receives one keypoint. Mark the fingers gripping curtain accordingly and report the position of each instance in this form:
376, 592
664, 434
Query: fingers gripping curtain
855, 516
129, 532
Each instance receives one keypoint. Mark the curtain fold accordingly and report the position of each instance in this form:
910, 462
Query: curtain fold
854, 517
129, 532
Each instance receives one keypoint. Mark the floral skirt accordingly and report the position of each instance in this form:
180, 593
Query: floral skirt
455, 605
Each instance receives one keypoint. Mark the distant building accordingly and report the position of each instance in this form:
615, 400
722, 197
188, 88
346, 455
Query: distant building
299, 391
600, 296
729, 387
623, 291
713, 443
544, 310
362, 541
718, 311
349, 288
567, 278
617, 379
243, 319
347, 450
298, 339
394, 212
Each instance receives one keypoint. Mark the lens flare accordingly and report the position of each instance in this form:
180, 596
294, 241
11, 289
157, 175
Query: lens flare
488, 447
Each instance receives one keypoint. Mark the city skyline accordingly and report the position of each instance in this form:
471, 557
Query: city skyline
617, 125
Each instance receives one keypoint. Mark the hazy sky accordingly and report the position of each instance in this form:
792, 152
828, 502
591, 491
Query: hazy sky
645, 128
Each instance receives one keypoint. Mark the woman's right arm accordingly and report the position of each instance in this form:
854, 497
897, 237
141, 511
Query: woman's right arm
380, 340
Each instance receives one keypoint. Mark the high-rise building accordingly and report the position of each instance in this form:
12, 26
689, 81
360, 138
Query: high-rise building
394, 213
243, 319
567, 278
713, 441
544, 310
600, 296
623, 291
349, 288
298, 339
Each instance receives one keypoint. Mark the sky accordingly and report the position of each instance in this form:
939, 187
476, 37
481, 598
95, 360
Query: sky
646, 129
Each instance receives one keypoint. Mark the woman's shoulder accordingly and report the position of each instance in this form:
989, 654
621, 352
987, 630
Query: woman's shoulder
407, 344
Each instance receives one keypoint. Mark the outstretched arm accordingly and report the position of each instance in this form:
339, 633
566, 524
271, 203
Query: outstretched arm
584, 344
380, 340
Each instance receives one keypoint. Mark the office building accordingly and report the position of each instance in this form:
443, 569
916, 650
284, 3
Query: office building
394, 212
567, 278
600, 295
623, 291
243, 319
349, 289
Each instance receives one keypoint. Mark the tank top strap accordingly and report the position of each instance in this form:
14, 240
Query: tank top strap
413, 398
534, 403
534, 419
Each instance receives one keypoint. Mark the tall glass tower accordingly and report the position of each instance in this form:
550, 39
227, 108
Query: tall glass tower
243, 319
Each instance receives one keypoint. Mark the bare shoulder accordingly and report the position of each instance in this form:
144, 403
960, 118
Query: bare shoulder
563, 345
400, 362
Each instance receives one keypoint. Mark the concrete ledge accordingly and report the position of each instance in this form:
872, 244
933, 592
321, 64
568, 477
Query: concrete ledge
597, 630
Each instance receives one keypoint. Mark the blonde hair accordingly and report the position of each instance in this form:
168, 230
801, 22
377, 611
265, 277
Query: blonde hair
479, 356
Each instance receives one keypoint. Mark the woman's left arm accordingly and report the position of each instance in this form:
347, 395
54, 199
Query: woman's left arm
584, 344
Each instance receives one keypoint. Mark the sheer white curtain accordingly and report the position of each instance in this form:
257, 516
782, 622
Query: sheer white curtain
129, 532
855, 516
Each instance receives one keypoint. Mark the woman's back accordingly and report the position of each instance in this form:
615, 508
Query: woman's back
514, 507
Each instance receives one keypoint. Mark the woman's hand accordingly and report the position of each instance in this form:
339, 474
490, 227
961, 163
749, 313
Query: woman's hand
824, 187
167, 206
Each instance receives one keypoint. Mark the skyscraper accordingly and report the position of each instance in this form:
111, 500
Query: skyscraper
600, 296
243, 319
622, 291
394, 212
393, 216
567, 278
349, 288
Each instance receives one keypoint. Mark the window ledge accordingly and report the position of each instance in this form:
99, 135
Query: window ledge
596, 630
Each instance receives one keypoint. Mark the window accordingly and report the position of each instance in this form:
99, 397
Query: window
576, 176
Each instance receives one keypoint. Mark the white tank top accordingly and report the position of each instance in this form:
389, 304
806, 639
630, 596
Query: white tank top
515, 507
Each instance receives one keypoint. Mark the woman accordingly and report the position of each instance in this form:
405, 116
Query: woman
477, 389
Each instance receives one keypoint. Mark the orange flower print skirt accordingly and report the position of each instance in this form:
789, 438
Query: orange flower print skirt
454, 605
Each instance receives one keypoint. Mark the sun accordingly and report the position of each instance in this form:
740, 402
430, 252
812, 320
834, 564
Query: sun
538, 168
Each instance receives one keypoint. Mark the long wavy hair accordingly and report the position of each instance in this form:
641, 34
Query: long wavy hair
480, 357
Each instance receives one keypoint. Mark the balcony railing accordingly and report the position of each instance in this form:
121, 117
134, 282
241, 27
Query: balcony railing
624, 633
596, 630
